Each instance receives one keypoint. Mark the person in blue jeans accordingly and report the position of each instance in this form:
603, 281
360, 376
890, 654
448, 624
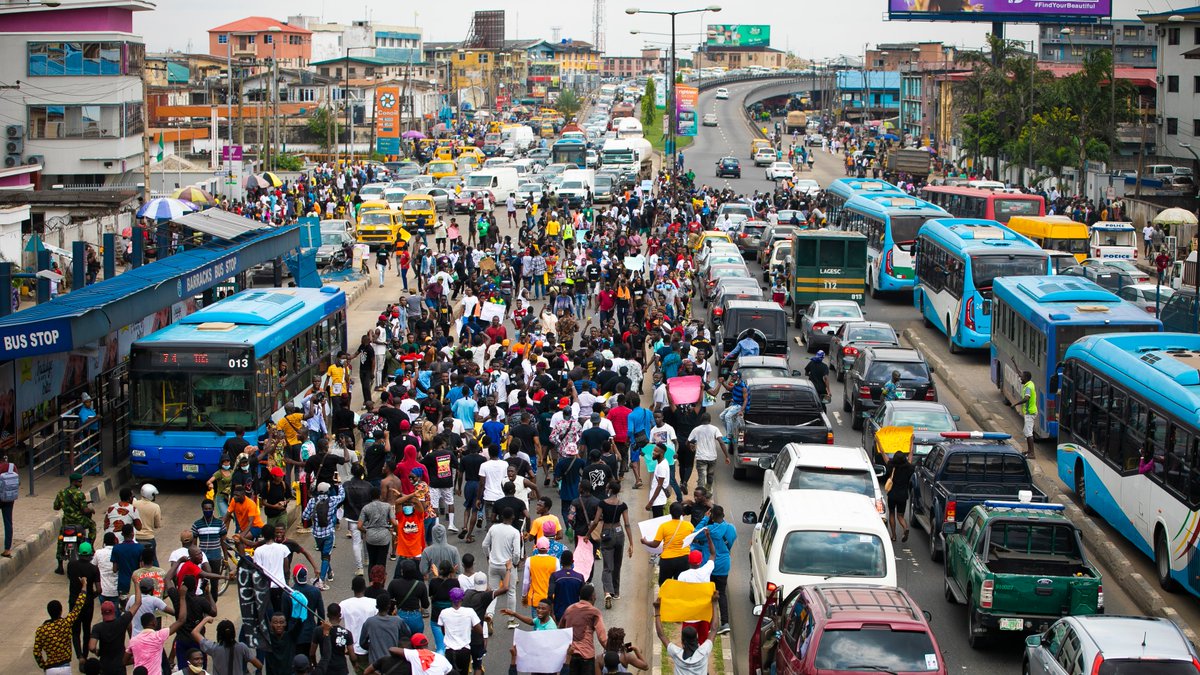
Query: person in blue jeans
640, 421
321, 512
714, 538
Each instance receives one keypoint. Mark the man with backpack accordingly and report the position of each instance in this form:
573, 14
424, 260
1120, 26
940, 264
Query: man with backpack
321, 511
10, 489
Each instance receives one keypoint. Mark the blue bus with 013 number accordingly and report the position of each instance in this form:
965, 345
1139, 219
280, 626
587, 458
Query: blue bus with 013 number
233, 364
890, 223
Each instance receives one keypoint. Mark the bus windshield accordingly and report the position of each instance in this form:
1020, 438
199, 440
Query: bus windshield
1007, 208
986, 267
376, 218
196, 401
1067, 245
904, 228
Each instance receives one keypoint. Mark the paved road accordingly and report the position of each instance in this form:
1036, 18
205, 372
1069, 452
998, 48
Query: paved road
921, 577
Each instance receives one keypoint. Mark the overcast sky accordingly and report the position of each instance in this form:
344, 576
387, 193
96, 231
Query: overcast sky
810, 28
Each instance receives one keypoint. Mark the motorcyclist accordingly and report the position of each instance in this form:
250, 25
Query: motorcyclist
76, 510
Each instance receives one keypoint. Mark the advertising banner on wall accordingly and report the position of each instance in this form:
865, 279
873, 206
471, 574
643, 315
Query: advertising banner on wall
387, 120
1000, 10
733, 35
685, 109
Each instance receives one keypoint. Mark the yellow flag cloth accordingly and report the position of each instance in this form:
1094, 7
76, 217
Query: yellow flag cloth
682, 601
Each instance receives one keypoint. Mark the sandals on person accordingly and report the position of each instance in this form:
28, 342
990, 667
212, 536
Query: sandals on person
470, 539
905, 537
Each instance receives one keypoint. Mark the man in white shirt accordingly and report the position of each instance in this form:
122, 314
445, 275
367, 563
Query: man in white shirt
457, 624
272, 555
660, 483
698, 572
102, 559
662, 432
503, 547
705, 439
492, 475
356, 610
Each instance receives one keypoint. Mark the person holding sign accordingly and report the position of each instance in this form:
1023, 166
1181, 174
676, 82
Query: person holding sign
692, 656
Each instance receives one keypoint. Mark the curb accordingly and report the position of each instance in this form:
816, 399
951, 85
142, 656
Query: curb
1149, 600
722, 644
46, 536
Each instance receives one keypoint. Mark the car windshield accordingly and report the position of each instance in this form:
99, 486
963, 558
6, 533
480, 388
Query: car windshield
833, 554
877, 649
1148, 667
985, 268
418, 205
731, 271
854, 481
378, 218
1123, 265
881, 371
923, 420
331, 239
737, 210
753, 229
871, 334
839, 312
729, 162
762, 371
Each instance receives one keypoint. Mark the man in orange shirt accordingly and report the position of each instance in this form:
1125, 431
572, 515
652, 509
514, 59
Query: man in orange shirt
410, 528
245, 511
535, 582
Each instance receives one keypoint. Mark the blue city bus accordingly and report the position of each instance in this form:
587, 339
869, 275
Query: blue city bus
232, 364
890, 222
1035, 319
841, 190
569, 151
957, 260
1124, 395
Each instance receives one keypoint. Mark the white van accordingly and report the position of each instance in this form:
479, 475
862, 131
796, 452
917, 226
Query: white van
809, 466
500, 180
587, 176
804, 537
521, 136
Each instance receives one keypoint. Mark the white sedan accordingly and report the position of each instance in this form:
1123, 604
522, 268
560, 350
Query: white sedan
722, 93
808, 186
779, 170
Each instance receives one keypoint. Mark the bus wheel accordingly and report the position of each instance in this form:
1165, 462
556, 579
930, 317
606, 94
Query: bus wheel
1162, 561
954, 349
925, 318
871, 289
1081, 488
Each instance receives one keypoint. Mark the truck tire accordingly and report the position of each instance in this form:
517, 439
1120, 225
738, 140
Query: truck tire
954, 349
947, 592
1081, 488
739, 473
976, 640
935, 532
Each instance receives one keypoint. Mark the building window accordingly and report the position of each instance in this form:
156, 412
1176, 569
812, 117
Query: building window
74, 121
1132, 32
1196, 127
1196, 84
252, 38
1173, 84
1077, 50
268, 39
1140, 52
1172, 126
1173, 36
79, 59
223, 38
1196, 36
298, 39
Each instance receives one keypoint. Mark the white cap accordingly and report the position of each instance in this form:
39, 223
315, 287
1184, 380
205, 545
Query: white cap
322, 487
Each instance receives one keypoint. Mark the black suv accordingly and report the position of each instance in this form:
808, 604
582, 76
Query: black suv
729, 167
873, 369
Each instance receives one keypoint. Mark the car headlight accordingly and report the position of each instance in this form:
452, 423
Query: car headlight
141, 454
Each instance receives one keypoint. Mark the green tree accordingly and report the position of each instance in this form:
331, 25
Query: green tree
649, 110
567, 104
323, 125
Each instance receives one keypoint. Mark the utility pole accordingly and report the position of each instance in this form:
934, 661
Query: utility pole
145, 132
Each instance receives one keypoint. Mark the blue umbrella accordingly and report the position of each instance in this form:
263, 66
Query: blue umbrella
166, 208
890, 137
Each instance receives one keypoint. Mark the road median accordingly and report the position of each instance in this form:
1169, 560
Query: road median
721, 662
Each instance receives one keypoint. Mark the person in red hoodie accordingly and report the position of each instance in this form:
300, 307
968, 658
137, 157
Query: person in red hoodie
405, 467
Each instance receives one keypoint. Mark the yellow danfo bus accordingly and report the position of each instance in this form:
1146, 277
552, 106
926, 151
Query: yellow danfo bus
1054, 233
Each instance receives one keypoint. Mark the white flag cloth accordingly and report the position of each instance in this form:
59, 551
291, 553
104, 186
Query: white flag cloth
649, 528
542, 651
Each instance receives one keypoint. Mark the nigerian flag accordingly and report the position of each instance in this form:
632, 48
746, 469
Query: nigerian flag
160, 146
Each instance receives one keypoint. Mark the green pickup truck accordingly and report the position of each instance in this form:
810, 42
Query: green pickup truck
1018, 567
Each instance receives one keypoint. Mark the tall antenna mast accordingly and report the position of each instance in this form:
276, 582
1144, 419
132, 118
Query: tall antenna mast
598, 25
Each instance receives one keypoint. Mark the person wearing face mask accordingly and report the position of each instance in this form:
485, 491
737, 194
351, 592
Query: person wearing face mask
209, 534
220, 483
410, 530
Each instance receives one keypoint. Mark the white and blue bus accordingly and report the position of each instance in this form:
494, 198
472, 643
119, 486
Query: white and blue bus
569, 151
233, 364
1035, 319
890, 222
841, 190
957, 260
1129, 443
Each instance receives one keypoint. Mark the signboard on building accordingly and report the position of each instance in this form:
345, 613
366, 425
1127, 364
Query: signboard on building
231, 153
387, 120
733, 35
1001, 10
686, 98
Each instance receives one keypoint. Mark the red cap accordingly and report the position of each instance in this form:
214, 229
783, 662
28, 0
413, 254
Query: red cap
404, 425
277, 471
564, 402
419, 640
107, 608
695, 557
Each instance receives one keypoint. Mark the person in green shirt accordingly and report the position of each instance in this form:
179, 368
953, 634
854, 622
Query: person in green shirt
76, 510
1028, 408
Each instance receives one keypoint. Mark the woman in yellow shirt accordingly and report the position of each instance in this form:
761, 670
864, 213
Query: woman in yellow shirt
670, 535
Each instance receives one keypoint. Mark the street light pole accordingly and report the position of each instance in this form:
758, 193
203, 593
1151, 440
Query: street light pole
1196, 298
672, 126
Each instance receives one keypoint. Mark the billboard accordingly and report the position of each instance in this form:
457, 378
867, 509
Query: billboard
686, 110
733, 35
1000, 10
387, 120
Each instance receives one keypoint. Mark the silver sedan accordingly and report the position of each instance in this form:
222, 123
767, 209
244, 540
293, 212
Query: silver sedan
821, 320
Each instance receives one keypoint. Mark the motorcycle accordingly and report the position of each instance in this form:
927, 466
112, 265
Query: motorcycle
70, 536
